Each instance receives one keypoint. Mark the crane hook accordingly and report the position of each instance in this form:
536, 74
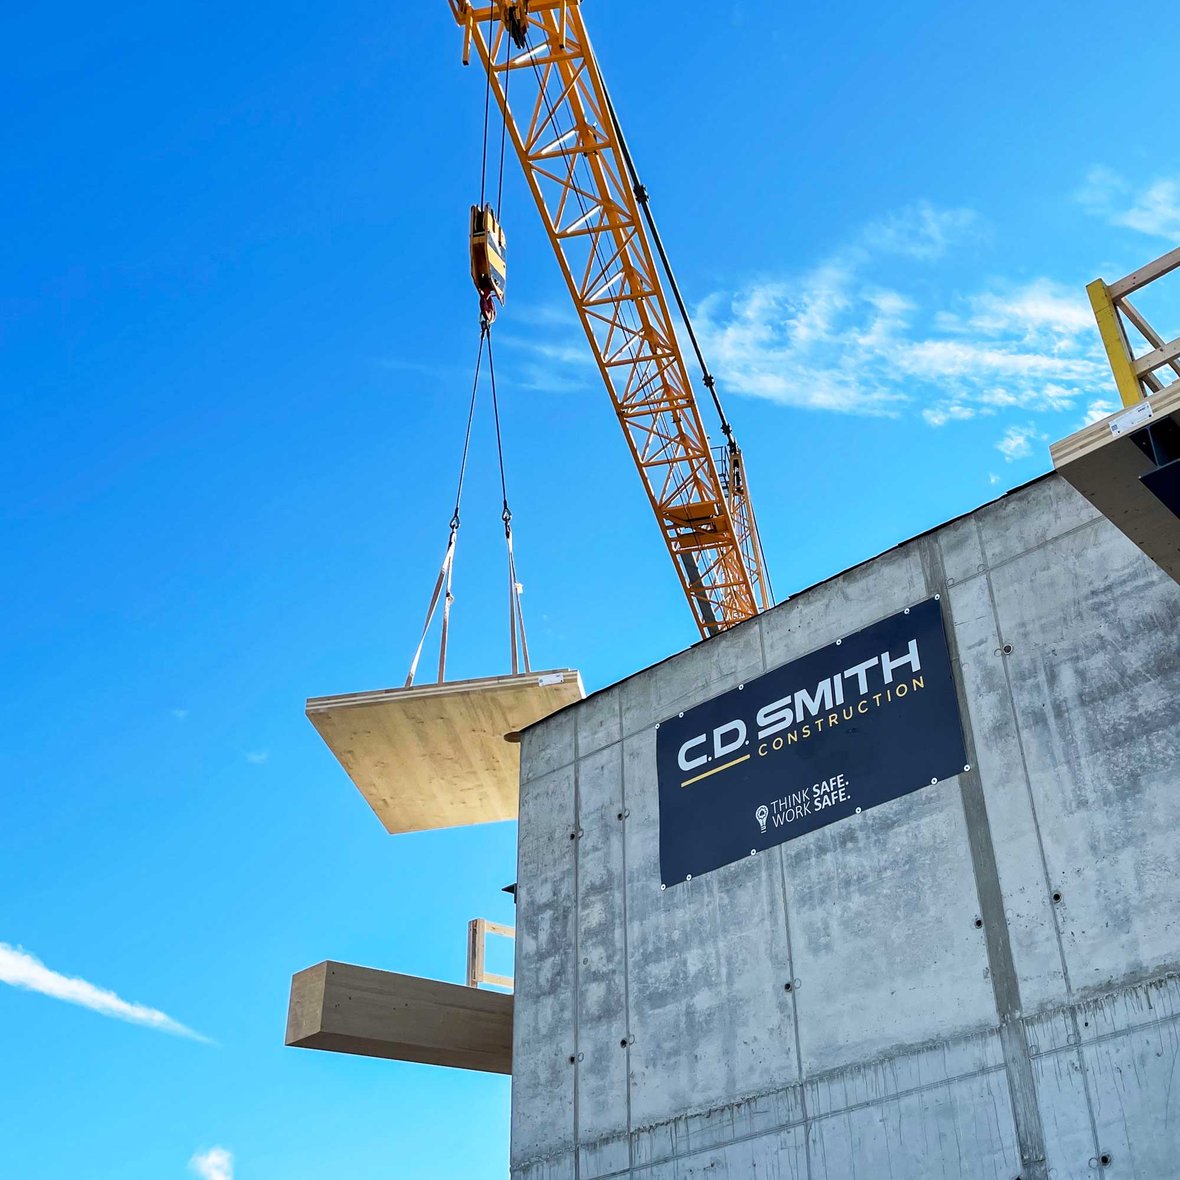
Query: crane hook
489, 267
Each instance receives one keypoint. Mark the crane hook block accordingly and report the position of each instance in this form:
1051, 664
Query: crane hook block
489, 269
516, 20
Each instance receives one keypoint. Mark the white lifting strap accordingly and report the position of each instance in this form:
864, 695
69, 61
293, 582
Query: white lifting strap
515, 614
441, 586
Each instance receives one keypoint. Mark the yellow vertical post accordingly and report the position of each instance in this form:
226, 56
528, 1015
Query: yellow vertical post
1114, 340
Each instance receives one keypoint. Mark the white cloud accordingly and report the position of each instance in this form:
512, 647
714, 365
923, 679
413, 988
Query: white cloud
824, 339
1101, 188
992, 478
950, 412
214, 1164
871, 330
257, 757
919, 231
1156, 211
1031, 311
1098, 410
1017, 442
769, 341
1153, 209
23, 970
180, 714
761, 340
833, 339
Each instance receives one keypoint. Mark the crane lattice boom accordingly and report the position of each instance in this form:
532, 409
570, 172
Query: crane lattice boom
574, 162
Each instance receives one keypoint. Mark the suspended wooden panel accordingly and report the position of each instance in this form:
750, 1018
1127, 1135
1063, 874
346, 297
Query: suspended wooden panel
436, 755
347, 1009
1107, 462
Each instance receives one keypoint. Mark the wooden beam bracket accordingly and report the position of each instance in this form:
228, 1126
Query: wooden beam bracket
478, 930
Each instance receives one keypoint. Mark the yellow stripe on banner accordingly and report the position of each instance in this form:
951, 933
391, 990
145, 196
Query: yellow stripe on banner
716, 770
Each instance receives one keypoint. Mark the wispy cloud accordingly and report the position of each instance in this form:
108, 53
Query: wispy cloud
21, 969
833, 338
548, 347
759, 337
1152, 209
920, 230
257, 757
1017, 442
214, 1164
880, 326
1097, 410
552, 356
180, 714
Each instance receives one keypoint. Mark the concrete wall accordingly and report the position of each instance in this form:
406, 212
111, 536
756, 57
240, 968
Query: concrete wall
655, 1036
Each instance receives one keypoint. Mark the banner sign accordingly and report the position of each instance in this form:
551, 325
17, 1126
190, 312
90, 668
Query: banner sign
870, 718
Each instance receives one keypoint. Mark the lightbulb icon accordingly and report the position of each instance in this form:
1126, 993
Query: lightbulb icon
762, 815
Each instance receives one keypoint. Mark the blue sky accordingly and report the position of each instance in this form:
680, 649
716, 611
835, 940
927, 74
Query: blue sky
236, 331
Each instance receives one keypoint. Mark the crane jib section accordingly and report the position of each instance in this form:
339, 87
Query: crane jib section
568, 146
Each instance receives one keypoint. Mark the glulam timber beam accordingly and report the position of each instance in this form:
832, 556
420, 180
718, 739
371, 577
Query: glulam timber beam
342, 1008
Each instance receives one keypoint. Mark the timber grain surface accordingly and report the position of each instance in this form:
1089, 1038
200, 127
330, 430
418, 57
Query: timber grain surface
436, 755
347, 1009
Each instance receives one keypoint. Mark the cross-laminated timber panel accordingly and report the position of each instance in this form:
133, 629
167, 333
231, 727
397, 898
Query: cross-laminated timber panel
436, 755
348, 1009
1103, 463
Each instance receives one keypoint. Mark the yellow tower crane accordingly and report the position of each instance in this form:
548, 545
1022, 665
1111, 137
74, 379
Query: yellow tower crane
598, 218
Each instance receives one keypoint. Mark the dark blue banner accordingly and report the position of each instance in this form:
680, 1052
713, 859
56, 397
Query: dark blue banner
865, 720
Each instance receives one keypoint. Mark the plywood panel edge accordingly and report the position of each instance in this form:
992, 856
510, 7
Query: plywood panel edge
1097, 434
320, 704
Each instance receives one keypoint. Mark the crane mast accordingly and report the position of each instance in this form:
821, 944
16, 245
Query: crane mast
576, 166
